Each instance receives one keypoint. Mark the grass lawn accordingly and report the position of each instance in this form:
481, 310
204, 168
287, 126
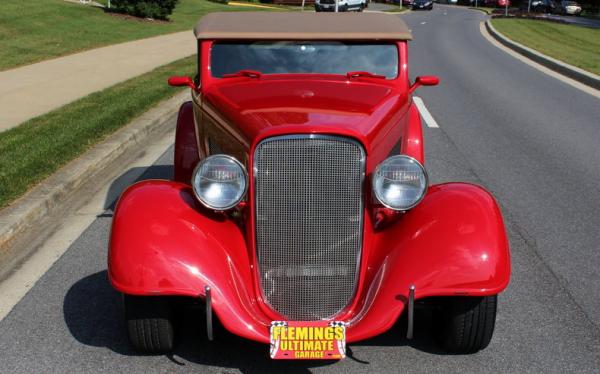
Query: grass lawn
485, 9
35, 30
398, 10
575, 45
37, 148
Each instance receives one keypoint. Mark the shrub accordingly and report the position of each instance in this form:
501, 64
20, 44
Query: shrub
158, 9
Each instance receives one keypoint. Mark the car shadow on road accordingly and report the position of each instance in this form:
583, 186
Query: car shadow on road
132, 176
94, 316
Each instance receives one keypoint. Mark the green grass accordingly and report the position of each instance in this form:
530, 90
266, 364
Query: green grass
484, 9
35, 30
34, 150
575, 45
397, 10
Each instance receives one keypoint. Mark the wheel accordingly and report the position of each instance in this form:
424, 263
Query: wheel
317, 8
467, 323
149, 323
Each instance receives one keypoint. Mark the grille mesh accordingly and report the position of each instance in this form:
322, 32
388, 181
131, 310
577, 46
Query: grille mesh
308, 194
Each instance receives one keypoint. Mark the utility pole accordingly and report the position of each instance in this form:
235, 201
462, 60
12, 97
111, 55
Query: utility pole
336, 6
529, 7
506, 9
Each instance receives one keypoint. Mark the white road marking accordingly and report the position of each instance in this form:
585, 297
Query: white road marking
427, 117
25, 277
542, 68
422, 23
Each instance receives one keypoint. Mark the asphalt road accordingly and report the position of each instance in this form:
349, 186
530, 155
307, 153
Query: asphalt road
580, 21
529, 138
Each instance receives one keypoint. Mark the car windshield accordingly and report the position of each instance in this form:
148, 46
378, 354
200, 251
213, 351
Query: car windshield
313, 57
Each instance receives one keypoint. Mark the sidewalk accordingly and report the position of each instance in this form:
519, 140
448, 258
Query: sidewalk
33, 90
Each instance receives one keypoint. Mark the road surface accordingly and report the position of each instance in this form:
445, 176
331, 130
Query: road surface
580, 21
529, 138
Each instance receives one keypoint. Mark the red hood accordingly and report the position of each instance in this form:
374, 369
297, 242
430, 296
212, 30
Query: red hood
256, 107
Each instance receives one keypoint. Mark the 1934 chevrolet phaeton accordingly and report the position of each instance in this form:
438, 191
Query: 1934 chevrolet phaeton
300, 212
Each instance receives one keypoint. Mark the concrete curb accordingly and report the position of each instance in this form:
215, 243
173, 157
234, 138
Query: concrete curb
573, 72
40, 202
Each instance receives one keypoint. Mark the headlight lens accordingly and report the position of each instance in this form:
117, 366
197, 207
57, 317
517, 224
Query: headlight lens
219, 182
399, 182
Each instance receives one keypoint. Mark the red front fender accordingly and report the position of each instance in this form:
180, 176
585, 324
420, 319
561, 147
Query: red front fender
161, 245
452, 243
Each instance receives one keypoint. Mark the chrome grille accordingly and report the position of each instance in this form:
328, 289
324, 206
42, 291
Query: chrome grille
308, 194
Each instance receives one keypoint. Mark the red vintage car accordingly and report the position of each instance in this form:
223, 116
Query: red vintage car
300, 213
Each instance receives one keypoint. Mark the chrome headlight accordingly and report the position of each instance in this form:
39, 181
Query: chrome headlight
399, 182
219, 182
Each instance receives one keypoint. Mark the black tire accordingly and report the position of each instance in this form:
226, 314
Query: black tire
467, 323
149, 323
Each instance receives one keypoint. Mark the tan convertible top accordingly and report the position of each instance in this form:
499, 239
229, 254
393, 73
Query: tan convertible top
301, 26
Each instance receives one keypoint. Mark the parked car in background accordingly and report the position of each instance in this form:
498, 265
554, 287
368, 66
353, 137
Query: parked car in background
422, 4
568, 8
539, 6
343, 5
494, 3
300, 213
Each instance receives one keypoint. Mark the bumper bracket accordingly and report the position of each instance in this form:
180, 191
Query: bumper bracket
411, 311
209, 326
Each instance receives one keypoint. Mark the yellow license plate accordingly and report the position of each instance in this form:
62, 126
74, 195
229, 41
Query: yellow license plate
308, 340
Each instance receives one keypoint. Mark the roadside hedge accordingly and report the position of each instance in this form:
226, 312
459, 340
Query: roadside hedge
157, 9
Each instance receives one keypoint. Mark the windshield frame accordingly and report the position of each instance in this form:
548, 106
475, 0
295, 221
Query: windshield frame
206, 60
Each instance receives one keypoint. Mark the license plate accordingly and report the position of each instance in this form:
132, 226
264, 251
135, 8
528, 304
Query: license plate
308, 340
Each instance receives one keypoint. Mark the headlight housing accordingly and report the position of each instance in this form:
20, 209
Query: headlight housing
219, 182
399, 182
